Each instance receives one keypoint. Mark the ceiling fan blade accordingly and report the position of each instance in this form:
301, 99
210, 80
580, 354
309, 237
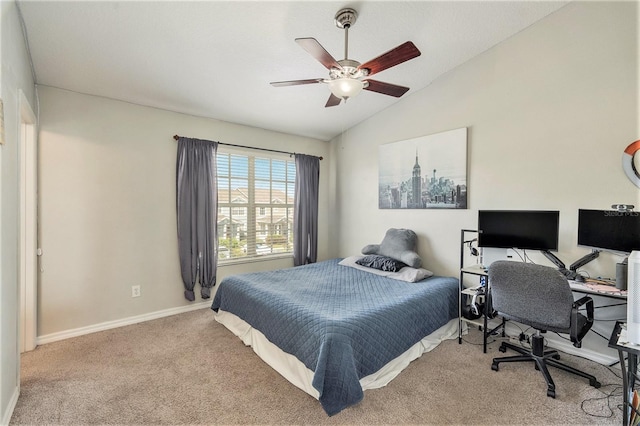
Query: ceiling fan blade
333, 101
296, 82
386, 88
396, 56
316, 50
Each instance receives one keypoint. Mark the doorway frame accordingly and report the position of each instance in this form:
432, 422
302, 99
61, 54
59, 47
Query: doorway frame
28, 242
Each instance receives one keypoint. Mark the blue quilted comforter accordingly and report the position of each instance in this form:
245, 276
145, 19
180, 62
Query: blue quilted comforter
341, 322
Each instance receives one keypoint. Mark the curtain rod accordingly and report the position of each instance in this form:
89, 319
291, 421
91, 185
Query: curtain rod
176, 137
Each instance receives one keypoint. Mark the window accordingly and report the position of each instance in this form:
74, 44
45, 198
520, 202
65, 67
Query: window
255, 204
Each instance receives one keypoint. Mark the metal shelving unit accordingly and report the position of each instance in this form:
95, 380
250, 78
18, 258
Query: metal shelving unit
484, 322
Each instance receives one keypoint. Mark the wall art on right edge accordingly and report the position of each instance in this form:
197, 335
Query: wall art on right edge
429, 172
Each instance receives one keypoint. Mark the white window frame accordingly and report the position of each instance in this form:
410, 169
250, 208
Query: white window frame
254, 250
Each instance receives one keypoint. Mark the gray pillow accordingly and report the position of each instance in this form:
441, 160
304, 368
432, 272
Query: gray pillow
382, 263
399, 244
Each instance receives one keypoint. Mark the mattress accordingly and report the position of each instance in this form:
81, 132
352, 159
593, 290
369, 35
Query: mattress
299, 375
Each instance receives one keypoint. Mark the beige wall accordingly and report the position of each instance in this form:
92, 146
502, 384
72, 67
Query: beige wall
549, 113
15, 77
107, 206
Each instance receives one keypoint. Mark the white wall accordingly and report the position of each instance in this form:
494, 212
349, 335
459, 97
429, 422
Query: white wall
549, 114
107, 206
15, 76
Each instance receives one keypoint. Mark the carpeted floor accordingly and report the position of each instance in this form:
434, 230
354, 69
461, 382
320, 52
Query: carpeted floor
188, 369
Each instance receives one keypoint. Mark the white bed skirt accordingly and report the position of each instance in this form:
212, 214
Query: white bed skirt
292, 369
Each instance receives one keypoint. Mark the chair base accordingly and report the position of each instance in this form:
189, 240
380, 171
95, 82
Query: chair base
541, 359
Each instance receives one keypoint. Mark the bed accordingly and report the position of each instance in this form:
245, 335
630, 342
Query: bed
333, 329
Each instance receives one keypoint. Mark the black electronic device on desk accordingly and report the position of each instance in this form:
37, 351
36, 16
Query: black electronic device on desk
615, 231
611, 230
522, 229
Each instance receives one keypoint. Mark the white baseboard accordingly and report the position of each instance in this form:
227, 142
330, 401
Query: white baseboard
61, 335
6, 416
584, 352
567, 347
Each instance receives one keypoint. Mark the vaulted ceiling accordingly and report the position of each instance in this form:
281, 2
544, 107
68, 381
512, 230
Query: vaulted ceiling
216, 58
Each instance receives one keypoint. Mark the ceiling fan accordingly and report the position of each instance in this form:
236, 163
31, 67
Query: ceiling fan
348, 77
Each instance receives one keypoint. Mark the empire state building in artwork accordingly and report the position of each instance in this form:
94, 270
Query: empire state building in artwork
416, 186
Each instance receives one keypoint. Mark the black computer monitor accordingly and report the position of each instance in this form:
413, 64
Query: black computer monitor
522, 229
610, 230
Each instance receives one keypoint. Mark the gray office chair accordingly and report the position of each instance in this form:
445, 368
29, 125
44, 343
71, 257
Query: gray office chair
539, 296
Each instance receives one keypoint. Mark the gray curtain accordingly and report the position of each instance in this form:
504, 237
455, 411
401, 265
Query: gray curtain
197, 212
305, 216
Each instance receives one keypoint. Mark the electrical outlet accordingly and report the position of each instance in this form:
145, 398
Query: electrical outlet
135, 291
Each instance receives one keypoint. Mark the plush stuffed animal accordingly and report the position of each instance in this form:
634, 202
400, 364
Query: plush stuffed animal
399, 244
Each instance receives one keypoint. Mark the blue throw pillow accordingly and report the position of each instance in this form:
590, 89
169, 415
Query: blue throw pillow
382, 263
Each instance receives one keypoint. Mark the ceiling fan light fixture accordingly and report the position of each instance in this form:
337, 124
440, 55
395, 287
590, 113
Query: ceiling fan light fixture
347, 77
345, 87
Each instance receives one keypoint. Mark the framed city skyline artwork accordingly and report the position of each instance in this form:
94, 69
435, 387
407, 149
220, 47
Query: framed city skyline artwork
428, 172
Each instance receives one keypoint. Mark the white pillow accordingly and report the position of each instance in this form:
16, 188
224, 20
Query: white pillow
411, 275
407, 273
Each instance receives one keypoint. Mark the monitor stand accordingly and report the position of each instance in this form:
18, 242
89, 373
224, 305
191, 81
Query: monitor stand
573, 268
572, 272
584, 260
571, 275
554, 259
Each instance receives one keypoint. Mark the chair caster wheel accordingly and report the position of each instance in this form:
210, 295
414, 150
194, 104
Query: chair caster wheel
536, 366
594, 383
502, 349
494, 366
556, 356
551, 393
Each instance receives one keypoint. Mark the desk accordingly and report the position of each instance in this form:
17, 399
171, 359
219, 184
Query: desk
629, 374
598, 290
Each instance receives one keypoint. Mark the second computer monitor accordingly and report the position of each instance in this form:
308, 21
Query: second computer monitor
522, 229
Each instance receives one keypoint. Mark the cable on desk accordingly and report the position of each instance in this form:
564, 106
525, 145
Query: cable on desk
524, 259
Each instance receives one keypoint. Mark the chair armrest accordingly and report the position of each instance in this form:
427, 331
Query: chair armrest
577, 334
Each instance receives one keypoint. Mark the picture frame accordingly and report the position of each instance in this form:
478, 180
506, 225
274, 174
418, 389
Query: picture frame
427, 172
